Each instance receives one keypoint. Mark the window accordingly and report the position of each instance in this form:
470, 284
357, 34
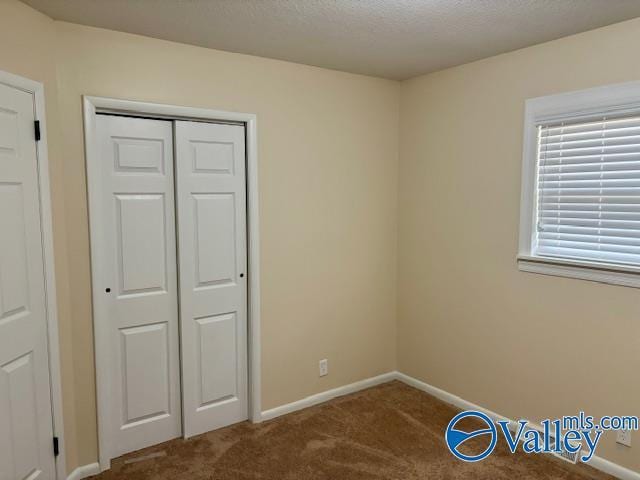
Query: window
580, 213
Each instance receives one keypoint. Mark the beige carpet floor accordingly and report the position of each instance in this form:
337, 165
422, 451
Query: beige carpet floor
392, 431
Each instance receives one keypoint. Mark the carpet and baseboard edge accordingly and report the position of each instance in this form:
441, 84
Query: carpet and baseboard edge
84, 471
596, 462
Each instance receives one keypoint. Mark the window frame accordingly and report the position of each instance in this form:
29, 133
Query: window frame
618, 99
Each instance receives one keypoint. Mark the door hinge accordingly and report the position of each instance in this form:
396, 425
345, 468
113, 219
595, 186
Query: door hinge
56, 447
36, 127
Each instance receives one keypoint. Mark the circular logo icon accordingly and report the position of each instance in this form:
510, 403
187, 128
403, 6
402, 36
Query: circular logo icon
455, 438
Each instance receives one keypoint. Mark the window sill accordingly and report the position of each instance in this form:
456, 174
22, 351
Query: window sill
594, 272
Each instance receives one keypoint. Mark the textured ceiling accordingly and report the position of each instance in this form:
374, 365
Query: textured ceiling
395, 39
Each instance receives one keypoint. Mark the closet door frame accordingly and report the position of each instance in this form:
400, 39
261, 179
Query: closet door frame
94, 105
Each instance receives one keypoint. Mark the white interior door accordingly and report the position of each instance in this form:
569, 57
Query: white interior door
211, 201
26, 432
137, 276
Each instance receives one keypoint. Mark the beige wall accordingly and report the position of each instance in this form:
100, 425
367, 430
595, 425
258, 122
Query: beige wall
523, 345
327, 152
327, 146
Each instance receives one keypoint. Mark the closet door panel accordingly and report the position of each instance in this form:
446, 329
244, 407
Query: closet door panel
211, 206
139, 280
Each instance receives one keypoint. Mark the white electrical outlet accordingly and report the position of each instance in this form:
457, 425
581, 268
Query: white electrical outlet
324, 367
624, 437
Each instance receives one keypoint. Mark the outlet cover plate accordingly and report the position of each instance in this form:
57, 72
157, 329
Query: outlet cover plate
323, 367
623, 437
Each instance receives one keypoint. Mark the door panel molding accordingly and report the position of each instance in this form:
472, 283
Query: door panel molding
93, 105
36, 89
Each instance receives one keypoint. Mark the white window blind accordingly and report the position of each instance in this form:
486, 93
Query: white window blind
588, 197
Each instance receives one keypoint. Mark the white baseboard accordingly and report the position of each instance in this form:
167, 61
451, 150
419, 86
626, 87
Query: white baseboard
446, 396
596, 462
327, 395
613, 469
84, 471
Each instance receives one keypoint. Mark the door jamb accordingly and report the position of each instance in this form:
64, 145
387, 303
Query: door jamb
91, 105
36, 89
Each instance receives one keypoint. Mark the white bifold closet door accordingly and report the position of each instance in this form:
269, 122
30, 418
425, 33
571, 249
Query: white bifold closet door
211, 207
139, 282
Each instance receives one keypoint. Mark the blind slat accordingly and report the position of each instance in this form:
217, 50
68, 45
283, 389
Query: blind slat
610, 123
597, 150
595, 192
626, 236
590, 244
595, 140
592, 165
591, 175
628, 130
589, 218
587, 254
587, 206
588, 186
604, 183
591, 199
